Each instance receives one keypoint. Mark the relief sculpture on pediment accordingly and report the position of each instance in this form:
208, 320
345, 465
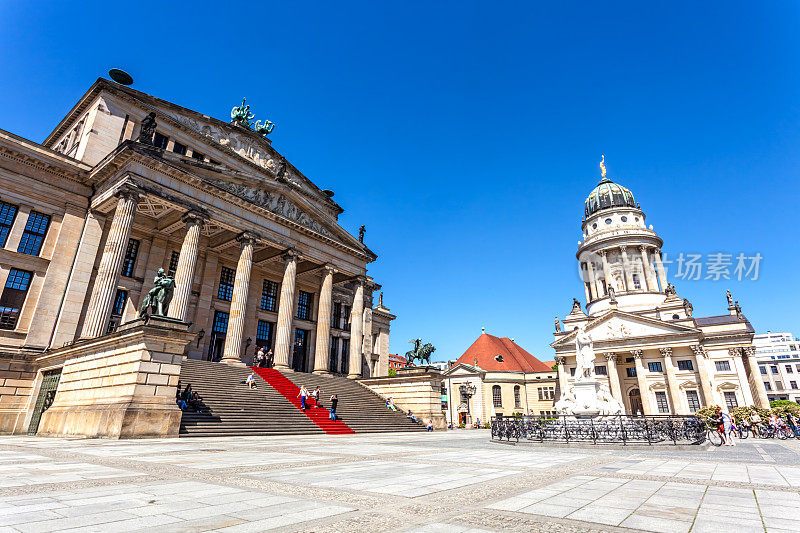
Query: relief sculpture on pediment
274, 202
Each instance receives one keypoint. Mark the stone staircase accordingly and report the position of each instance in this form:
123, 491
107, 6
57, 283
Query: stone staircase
361, 409
230, 408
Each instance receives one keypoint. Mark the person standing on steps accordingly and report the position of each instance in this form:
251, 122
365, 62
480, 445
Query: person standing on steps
315, 395
334, 403
270, 359
303, 395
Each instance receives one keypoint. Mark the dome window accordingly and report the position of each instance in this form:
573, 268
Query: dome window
608, 221
594, 226
624, 219
675, 317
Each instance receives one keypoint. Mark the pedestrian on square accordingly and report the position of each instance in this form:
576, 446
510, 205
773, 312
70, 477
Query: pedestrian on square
792, 422
303, 395
334, 404
727, 427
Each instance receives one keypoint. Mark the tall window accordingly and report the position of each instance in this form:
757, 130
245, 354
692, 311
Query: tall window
33, 236
264, 333
333, 355
793, 384
129, 263
8, 213
336, 314
345, 356
13, 297
654, 366
778, 385
789, 369
636, 283
630, 371
685, 364
179, 148
661, 402
269, 295
173, 263
774, 369
767, 385
693, 400
220, 322
226, 279
117, 310
730, 400
345, 316
160, 141
517, 399
497, 399
722, 366
304, 305
547, 393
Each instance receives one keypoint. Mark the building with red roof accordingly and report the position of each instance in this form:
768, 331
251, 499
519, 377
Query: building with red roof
497, 376
397, 361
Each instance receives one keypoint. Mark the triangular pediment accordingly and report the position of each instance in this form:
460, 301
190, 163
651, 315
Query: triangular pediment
462, 369
615, 326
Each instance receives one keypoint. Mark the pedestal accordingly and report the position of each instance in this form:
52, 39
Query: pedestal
586, 397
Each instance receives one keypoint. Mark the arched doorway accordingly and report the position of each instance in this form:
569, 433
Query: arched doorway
636, 402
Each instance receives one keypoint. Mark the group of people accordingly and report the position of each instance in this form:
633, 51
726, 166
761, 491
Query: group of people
263, 358
727, 427
304, 395
188, 398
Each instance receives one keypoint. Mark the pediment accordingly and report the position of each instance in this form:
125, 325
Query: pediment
462, 369
618, 325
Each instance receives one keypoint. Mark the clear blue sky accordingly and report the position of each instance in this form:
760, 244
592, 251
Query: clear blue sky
467, 135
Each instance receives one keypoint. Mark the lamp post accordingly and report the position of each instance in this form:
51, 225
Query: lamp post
467, 391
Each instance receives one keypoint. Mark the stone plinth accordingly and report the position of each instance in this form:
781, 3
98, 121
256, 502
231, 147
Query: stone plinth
586, 397
415, 389
120, 385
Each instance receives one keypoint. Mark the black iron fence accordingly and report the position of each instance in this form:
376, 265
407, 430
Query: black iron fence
624, 429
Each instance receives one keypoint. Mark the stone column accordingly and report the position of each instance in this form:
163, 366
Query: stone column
283, 336
613, 377
562, 374
324, 321
640, 378
749, 355
232, 353
648, 272
105, 284
626, 266
592, 283
701, 357
606, 269
598, 284
184, 274
662, 274
672, 383
356, 327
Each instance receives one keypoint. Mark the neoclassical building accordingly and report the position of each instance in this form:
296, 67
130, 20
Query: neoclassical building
127, 184
655, 355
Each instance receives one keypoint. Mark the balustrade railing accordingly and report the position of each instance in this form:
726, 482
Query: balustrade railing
625, 429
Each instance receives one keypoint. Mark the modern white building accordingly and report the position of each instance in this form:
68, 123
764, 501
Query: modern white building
778, 356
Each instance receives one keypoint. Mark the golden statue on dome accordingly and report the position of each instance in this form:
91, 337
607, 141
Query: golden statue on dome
603, 166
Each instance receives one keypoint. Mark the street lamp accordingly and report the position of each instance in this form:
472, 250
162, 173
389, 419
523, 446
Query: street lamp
467, 391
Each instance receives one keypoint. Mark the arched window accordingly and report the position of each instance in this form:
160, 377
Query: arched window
636, 283
517, 400
497, 400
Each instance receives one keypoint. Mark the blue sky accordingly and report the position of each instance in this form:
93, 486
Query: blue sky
466, 135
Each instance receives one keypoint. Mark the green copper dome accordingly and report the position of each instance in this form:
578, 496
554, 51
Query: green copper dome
608, 194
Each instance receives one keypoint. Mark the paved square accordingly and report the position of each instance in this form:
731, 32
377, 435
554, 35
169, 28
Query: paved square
455, 481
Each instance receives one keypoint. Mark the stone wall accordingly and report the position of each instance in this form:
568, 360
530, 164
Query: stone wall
16, 382
121, 385
413, 389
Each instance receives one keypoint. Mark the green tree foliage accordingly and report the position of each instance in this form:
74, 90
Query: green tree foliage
781, 407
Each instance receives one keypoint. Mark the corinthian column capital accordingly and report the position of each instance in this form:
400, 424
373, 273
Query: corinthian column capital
666, 351
194, 217
611, 357
128, 191
247, 237
638, 354
699, 351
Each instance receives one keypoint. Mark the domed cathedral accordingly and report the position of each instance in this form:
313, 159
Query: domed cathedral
656, 356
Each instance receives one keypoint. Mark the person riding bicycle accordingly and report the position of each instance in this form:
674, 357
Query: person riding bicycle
792, 422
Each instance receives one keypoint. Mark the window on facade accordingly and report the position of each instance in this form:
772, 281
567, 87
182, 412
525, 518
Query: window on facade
117, 310
197, 155
778, 385
773, 369
345, 316
630, 371
693, 400
793, 384
160, 141
33, 236
763, 369
547, 393
497, 399
129, 263
654, 366
345, 355
334, 352
13, 297
572, 371
797, 367
226, 278
517, 399
336, 313
269, 295
730, 400
264, 334
661, 402
767, 385
789, 369
304, 305
8, 213
601, 370
722, 366
179, 148
636, 283
173, 263
685, 364
220, 322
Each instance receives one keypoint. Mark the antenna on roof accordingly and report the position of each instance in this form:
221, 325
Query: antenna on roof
120, 76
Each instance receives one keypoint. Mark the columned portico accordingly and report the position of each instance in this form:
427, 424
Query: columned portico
626, 265
652, 285
105, 284
356, 330
321, 353
592, 281
232, 353
283, 338
761, 398
187, 261
701, 358
672, 383
606, 269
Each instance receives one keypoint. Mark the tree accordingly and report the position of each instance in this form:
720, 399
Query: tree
781, 407
420, 352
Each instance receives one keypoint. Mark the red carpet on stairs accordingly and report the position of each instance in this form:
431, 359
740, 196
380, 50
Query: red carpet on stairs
290, 391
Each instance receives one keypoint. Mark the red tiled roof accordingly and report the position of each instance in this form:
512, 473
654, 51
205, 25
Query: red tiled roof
515, 359
549, 364
397, 358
